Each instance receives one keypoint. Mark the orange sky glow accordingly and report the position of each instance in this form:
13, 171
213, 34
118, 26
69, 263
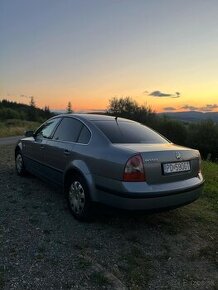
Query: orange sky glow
160, 53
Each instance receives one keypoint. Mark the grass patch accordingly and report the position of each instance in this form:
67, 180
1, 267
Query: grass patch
84, 263
209, 252
205, 209
204, 212
137, 268
98, 278
210, 172
16, 127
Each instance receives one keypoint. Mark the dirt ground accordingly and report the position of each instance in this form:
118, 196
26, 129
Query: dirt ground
43, 247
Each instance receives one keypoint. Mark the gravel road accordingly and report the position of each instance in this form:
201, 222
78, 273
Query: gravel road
9, 140
43, 247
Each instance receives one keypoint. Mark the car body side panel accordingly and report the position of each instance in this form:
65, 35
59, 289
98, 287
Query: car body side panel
57, 156
33, 153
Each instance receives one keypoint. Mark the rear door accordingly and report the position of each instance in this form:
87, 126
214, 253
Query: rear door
60, 149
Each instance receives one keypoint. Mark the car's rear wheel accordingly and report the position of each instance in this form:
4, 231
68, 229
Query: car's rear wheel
79, 200
19, 164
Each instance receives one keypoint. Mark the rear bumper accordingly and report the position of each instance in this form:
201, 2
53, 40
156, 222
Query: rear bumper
149, 200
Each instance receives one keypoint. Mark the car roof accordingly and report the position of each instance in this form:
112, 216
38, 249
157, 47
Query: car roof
93, 117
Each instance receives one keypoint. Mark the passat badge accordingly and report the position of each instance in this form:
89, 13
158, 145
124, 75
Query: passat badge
178, 155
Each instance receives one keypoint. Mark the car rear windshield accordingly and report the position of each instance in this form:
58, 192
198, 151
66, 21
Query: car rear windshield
129, 132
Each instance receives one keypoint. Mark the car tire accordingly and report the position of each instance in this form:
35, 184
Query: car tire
78, 198
19, 164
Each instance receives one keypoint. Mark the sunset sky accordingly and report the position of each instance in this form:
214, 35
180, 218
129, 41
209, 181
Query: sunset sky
161, 52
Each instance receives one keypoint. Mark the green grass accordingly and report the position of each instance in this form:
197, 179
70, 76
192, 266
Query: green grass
16, 127
99, 279
137, 267
201, 215
205, 209
84, 263
210, 172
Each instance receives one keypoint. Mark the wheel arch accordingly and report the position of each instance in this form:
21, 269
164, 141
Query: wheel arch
79, 168
18, 148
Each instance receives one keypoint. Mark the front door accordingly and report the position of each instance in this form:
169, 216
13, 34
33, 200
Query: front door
35, 147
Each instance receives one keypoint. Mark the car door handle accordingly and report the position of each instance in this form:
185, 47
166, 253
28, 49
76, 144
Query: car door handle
42, 147
66, 152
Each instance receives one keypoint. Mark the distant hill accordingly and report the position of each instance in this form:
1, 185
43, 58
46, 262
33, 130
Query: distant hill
13, 110
192, 116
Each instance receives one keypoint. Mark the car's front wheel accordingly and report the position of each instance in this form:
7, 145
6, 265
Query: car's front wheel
19, 164
79, 200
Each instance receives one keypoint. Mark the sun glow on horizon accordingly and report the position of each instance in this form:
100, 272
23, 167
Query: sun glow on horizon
88, 52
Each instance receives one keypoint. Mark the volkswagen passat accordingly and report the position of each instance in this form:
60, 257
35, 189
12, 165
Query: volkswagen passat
110, 160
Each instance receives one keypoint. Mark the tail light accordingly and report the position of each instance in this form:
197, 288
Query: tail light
134, 169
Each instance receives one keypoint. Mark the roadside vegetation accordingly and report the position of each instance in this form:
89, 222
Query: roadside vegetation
202, 135
16, 127
16, 118
210, 172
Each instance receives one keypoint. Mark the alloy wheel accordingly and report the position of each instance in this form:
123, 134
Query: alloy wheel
77, 197
19, 163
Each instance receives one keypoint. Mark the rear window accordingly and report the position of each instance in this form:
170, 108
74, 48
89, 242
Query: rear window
129, 132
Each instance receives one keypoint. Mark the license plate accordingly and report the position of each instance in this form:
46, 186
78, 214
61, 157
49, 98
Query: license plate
176, 167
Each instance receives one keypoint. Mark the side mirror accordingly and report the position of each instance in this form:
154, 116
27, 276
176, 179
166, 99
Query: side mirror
29, 134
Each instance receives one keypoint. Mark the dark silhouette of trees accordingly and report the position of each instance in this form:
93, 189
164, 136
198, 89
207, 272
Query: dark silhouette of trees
202, 136
129, 108
47, 112
13, 110
32, 114
173, 130
32, 102
69, 108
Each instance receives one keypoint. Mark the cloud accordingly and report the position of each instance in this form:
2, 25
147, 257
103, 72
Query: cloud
169, 109
206, 108
178, 95
209, 107
26, 97
160, 94
190, 108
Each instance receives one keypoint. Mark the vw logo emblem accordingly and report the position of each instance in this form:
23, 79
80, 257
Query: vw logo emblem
178, 155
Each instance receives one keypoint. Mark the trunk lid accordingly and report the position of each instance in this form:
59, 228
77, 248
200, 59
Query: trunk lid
155, 155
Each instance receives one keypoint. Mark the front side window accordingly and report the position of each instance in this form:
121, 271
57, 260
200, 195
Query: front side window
68, 130
47, 128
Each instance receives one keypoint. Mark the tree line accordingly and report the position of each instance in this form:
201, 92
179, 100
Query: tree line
201, 135
13, 110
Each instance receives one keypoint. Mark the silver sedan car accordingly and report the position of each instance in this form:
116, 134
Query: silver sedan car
112, 161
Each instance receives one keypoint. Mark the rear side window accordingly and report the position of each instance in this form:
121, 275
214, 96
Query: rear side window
68, 130
129, 132
84, 136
